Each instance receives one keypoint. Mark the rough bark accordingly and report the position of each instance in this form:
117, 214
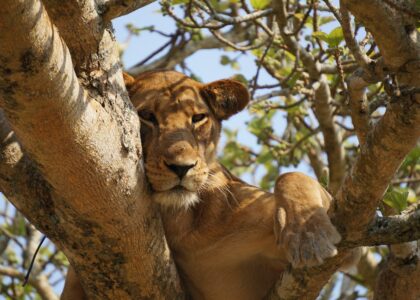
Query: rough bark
359, 106
111, 9
76, 122
395, 35
332, 136
401, 271
389, 230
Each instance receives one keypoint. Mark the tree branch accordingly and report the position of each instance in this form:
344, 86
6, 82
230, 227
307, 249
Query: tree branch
362, 59
395, 34
323, 111
112, 9
401, 271
21, 181
307, 58
40, 283
234, 20
179, 54
332, 137
85, 33
388, 143
358, 105
389, 230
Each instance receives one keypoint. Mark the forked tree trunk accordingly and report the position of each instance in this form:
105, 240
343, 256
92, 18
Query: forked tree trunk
81, 179
73, 164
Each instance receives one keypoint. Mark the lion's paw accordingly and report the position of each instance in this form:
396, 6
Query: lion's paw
307, 241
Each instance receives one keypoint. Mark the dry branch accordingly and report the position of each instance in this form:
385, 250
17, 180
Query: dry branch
111, 9
362, 59
180, 53
389, 141
359, 106
332, 136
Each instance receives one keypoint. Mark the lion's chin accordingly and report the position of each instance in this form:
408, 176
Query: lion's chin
177, 198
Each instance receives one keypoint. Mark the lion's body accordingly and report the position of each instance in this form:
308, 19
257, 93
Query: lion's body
223, 249
229, 240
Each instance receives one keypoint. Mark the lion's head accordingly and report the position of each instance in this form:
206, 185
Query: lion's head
180, 128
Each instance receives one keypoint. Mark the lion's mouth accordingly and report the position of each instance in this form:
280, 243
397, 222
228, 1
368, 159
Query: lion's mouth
177, 197
180, 189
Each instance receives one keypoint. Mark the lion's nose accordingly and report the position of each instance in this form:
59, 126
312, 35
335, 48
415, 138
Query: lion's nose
180, 170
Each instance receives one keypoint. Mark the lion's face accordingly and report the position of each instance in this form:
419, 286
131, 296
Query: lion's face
180, 130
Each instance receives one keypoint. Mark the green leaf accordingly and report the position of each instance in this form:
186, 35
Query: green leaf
260, 4
224, 60
396, 199
324, 180
411, 198
219, 6
260, 126
335, 37
411, 159
241, 78
292, 81
321, 35
299, 16
326, 20
265, 157
176, 2
19, 226
235, 65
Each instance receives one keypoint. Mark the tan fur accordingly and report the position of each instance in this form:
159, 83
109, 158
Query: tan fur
230, 240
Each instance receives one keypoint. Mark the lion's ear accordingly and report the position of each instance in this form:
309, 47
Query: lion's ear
226, 97
128, 80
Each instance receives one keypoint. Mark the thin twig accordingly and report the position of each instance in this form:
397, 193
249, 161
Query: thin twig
25, 280
260, 62
333, 10
362, 59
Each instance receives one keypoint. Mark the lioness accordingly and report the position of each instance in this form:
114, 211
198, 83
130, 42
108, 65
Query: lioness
230, 240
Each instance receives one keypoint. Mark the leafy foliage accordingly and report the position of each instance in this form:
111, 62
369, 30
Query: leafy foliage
260, 4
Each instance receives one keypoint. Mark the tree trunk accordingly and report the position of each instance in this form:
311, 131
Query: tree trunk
80, 179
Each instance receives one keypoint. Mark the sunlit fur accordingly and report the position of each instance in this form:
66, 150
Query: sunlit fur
170, 137
227, 237
176, 199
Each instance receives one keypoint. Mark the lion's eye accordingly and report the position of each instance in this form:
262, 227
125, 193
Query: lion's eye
148, 116
199, 117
